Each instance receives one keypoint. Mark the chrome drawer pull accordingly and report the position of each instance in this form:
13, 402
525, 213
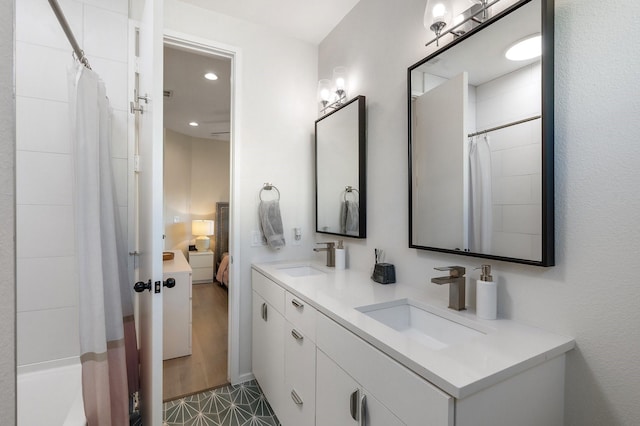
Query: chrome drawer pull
296, 398
353, 406
264, 311
296, 335
297, 304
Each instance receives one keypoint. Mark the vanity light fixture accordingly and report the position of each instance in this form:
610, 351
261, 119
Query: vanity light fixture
437, 15
333, 94
193, 124
211, 76
527, 48
202, 229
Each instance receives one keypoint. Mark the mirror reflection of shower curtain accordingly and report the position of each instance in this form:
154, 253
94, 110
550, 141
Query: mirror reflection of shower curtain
481, 209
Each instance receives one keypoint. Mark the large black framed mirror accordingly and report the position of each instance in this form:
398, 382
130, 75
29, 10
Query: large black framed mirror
481, 179
341, 173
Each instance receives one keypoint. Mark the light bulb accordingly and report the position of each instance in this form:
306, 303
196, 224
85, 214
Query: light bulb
527, 48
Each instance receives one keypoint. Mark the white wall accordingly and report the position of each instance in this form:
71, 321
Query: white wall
278, 83
7, 212
47, 294
592, 293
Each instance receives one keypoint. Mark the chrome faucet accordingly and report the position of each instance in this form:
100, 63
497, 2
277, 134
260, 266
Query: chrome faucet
331, 252
456, 283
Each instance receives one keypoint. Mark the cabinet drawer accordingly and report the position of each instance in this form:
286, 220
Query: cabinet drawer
270, 291
414, 400
300, 377
201, 260
301, 315
202, 274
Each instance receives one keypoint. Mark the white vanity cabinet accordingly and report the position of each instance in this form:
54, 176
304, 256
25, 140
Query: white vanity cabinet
300, 363
284, 351
268, 338
342, 401
383, 381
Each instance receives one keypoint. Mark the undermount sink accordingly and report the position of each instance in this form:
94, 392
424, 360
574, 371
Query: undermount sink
416, 322
301, 271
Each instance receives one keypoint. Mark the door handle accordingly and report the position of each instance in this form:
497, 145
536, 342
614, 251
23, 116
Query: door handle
353, 405
264, 311
141, 286
169, 283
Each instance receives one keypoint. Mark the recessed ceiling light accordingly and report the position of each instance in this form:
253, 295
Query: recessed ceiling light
193, 124
210, 76
527, 48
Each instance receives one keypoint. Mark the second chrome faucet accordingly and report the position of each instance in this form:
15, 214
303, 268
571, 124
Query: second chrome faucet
331, 252
456, 282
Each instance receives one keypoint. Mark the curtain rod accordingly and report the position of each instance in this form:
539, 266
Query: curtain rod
79, 53
481, 132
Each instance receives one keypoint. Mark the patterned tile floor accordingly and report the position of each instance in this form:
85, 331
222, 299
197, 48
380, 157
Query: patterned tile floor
239, 405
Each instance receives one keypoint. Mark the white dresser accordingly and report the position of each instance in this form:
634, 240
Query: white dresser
202, 266
176, 314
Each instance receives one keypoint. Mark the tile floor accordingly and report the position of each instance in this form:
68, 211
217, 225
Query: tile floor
239, 405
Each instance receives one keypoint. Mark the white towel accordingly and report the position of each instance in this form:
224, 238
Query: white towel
271, 223
350, 218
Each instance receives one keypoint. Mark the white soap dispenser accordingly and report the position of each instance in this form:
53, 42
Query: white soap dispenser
486, 295
341, 258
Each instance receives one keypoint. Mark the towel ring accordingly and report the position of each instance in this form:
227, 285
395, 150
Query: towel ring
269, 187
349, 190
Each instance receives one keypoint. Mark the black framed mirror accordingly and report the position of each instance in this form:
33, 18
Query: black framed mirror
341, 178
481, 179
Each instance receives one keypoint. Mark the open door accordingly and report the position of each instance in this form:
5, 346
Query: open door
149, 148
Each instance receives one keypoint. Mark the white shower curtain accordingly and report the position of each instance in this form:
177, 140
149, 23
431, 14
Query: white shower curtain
105, 300
481, 206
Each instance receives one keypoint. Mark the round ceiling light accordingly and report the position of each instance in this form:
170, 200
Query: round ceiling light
193, 124
211, 76
527, 48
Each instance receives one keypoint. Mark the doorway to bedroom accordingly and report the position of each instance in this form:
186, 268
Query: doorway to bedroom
197, 105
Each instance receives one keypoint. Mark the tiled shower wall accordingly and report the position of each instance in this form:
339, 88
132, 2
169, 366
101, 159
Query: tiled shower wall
47, 288
515, 160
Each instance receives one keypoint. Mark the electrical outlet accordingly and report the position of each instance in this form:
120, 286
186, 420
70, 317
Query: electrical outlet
296, 236
256, 239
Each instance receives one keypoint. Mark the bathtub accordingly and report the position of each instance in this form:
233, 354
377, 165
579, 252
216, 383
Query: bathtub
51, 394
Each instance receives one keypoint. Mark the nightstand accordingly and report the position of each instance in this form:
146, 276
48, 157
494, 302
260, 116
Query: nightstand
202, 265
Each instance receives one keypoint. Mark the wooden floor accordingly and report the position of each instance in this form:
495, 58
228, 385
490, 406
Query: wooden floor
206, 368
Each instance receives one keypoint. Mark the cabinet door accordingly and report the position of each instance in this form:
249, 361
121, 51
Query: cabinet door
268, 350
336, 391
300, 378
341, 401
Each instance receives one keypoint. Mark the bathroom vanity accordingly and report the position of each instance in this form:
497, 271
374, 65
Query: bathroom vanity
335, 348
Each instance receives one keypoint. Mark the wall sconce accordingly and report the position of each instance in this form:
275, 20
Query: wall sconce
202, 229
332, 94
437, 15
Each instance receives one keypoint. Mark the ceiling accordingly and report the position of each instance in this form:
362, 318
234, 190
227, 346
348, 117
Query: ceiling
193, 98
308, 20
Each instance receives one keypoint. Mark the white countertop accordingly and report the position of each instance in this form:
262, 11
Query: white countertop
506, 348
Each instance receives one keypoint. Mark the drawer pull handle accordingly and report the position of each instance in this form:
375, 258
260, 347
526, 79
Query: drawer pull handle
354, 405
297, 304
296, 335
264, 311
296, 398
363, 410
